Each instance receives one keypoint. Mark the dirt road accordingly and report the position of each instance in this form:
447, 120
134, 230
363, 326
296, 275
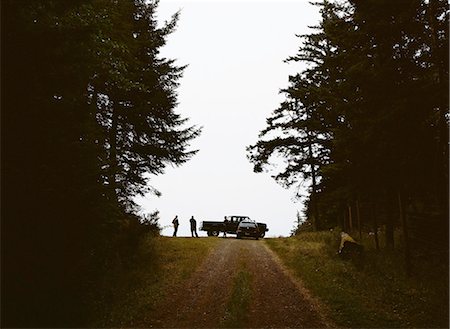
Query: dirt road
276, 300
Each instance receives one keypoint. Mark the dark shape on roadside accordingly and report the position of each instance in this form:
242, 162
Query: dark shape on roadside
175, 225
230, 226
349, 248
193, 227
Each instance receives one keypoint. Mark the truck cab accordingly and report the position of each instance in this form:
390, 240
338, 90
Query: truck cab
247, 228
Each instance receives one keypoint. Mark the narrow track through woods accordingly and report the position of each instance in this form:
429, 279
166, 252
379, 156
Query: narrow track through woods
277, 300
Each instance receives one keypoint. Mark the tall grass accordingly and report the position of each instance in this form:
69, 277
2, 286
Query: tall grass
374, 294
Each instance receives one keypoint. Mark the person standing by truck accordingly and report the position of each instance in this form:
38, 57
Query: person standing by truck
193, 227
175, 225
225, 224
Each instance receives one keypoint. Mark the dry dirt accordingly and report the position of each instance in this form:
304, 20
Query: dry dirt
277, 300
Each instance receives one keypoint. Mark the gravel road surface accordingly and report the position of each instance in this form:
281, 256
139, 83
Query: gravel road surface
277, 299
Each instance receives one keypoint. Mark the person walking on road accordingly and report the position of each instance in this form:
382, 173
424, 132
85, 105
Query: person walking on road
193, 227
175, 225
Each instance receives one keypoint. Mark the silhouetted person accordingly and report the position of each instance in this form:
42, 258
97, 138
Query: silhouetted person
175, 225
349, 248
225, 224
193, 227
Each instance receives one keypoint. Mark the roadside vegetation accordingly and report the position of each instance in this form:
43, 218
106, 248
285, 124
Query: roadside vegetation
374, 293
129, 294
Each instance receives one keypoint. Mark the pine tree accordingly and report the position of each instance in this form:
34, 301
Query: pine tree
365, 109
88, 110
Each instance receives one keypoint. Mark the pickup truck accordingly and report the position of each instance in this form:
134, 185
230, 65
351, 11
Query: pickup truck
213, 228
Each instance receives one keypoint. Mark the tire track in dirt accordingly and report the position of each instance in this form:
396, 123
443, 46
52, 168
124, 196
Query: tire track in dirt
277, 300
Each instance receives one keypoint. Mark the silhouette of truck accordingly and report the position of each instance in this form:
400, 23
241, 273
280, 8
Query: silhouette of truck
213, 228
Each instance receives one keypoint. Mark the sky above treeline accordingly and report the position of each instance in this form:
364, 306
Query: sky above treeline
235, 52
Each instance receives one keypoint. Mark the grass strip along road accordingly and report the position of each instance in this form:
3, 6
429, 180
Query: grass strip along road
216, 282
375, 295
207, 283
237, 311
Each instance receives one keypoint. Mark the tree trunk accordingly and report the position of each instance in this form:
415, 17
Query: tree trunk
359, 220
315, 210
403, 220
442, 126
389, 221
113, 162
350, 221
375, 227
344, 221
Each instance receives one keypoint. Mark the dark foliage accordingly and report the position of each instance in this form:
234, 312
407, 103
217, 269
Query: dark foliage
366, 123
87, 110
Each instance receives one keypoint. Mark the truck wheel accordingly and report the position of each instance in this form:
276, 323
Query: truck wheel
262, 234
215, 233
238, 236
209, 233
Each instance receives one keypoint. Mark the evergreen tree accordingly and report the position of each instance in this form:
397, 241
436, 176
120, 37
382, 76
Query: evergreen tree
87, 111
364, 108
135, 93
302, 121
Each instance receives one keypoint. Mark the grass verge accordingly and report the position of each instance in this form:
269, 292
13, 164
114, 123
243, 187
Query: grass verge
129, 294
377, 295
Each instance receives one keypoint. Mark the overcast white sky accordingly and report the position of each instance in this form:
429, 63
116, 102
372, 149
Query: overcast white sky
235, 52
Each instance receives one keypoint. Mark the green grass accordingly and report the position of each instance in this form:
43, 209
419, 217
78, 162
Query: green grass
130, 294
236, 314
375, 295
